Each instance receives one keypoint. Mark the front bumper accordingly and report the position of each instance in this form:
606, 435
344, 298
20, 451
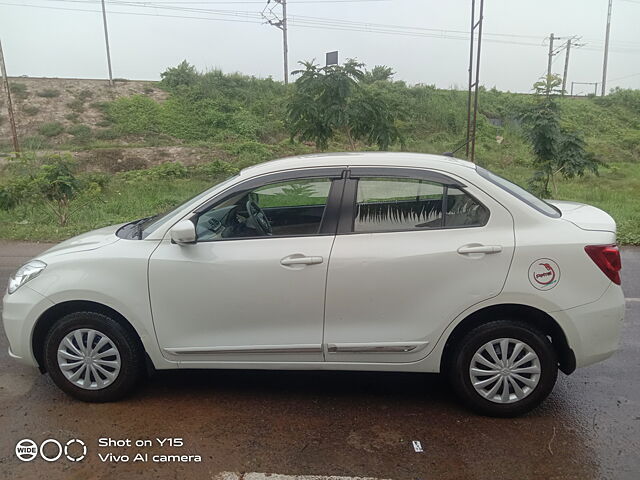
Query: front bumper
20, 312
593, 330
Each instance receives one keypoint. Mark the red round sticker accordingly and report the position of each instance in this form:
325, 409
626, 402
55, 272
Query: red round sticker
544, 274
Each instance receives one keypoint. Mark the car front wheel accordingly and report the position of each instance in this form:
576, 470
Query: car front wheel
503, 368
92, 357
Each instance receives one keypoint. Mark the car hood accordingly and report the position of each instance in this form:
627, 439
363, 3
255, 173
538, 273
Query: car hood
585, 216
87, 241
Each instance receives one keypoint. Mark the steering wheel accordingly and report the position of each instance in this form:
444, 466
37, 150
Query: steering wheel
258, 218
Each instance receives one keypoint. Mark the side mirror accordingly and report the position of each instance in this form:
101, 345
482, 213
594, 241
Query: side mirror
183, 232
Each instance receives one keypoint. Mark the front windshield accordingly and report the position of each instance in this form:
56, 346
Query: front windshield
152, 223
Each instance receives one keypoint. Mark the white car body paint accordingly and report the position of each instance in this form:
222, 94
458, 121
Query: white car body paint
381, 301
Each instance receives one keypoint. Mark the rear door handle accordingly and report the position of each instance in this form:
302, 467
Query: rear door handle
298, 259
469, 249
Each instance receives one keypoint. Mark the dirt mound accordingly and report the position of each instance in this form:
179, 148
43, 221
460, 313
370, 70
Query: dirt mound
65, 101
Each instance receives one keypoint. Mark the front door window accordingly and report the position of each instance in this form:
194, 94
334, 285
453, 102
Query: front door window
288, 208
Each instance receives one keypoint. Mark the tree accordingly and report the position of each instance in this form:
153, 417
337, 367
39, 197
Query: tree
549, 85
334, 99
557, 151
379, 73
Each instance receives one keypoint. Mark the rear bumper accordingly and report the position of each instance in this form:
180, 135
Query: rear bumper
593, 330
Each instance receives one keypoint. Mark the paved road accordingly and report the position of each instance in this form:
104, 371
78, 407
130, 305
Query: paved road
344, 424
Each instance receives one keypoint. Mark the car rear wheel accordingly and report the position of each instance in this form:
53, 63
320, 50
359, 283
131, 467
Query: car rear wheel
503, 368
92, 357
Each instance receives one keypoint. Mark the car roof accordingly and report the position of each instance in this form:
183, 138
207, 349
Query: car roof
354, 159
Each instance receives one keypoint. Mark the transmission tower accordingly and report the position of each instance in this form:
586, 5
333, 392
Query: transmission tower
474, 80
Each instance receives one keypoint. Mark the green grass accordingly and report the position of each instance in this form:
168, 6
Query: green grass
242, 120
123, 201
48, 93
615, 191
51, 129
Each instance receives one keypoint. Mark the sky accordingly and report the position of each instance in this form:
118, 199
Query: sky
424, 41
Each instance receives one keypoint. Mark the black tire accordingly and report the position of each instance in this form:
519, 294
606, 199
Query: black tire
127, 344
465, 349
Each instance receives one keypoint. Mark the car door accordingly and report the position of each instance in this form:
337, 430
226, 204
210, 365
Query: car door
242, 295
414, 249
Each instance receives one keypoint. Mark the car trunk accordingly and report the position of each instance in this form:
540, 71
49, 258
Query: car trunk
585, 216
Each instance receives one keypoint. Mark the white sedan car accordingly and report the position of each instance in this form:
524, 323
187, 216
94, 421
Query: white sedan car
356, 261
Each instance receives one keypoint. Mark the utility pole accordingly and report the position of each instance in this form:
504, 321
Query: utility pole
551, 38
12, 121
606, 51
566, 66
106, 41
285, 44
279, 21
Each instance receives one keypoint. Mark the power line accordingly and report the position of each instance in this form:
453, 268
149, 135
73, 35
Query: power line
306, 22
130, 13
625, 77
336, 24
241, 2
260, 2
300, 18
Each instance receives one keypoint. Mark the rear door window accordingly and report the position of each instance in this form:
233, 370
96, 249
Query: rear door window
388, 204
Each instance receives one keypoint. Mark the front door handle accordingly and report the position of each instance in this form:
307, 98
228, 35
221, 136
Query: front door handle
298, 259
469, 249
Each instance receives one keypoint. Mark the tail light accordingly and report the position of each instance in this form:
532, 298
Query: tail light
607, 258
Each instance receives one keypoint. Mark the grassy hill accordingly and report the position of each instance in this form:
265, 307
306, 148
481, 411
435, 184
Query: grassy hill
126, 131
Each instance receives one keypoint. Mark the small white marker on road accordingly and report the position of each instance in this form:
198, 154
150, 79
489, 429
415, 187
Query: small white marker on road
417, 446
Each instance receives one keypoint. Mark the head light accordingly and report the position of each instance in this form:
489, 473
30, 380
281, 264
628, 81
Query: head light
25, 273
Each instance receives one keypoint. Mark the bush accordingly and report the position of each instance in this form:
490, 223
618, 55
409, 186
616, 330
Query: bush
48, 93
13, 192
76, 105
215, 169
51, 129
183, 75
101, 106
106, 134
30, 110
81, 133
72, 117
34, 142
135, 115
50, 181
205, 107
252, 148
84, 95
101, 179
19, 90
167, 170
